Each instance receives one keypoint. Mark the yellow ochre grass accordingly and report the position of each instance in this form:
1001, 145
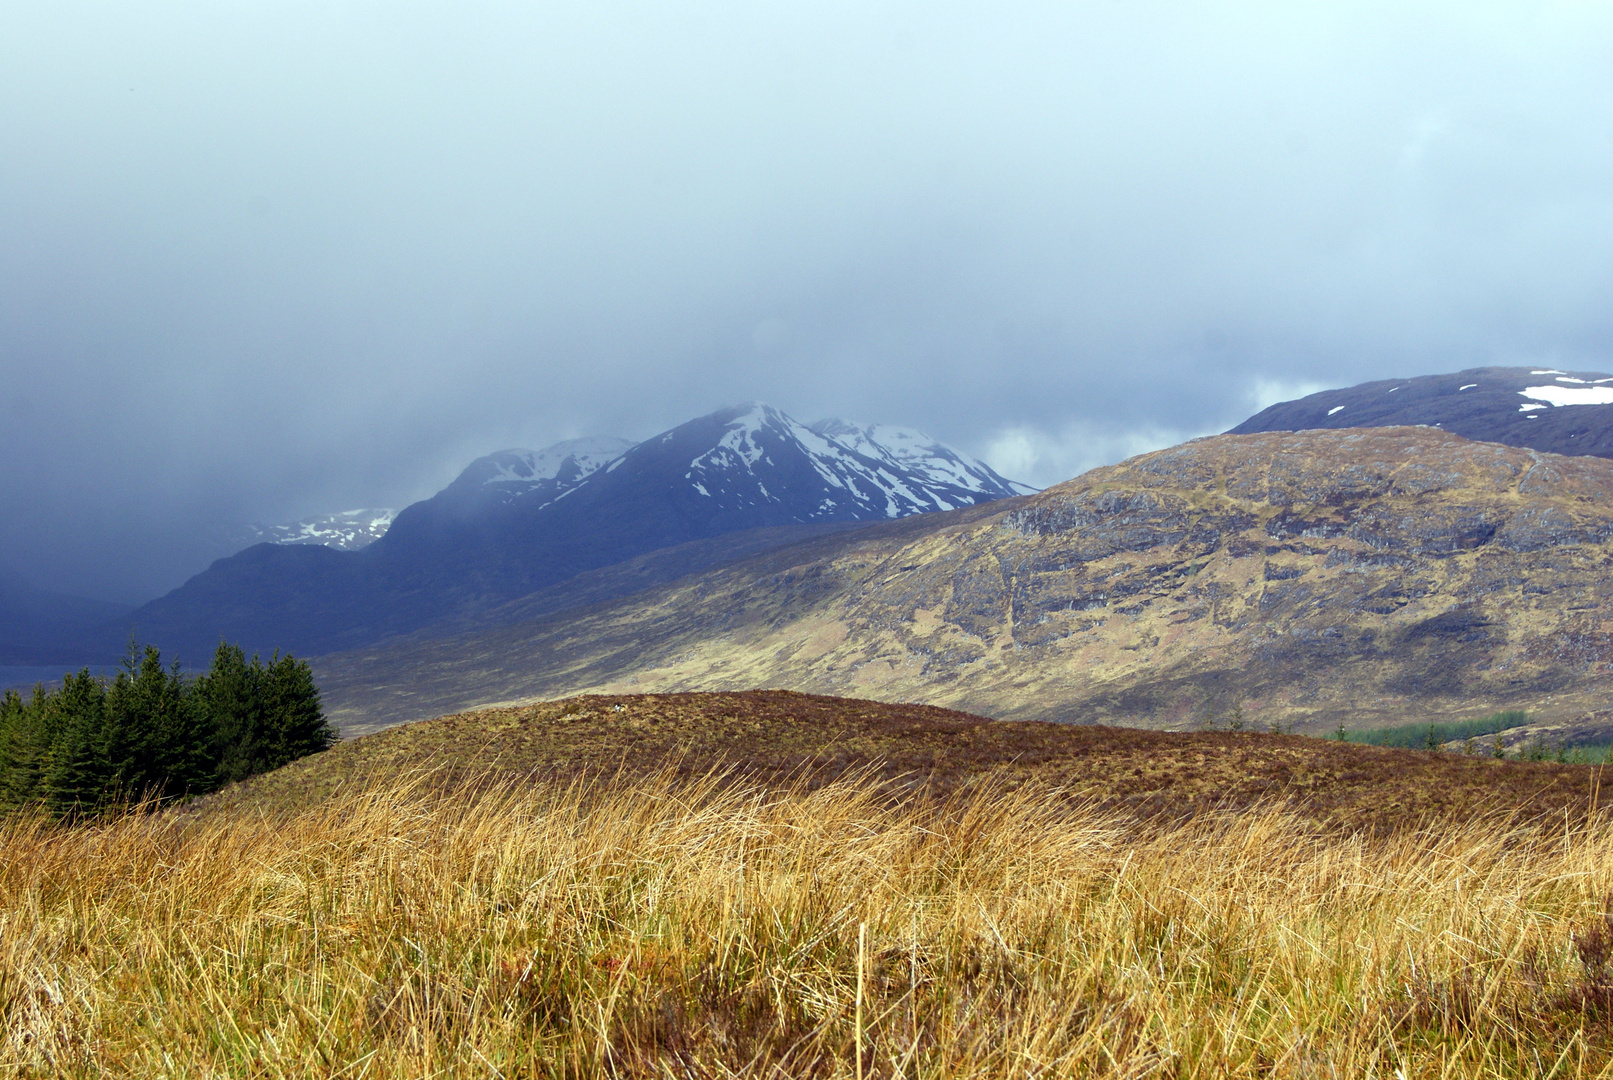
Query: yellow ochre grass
659, 926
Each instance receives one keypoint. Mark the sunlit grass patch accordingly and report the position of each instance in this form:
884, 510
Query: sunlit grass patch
670, 927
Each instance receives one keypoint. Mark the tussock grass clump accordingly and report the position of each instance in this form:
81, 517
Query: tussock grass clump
669, 928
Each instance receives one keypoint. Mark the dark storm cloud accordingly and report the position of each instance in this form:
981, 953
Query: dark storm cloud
259, 260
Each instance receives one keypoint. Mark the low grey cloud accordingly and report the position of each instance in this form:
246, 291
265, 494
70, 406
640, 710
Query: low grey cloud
264, 260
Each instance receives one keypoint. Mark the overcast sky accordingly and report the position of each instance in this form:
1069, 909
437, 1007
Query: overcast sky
261, 260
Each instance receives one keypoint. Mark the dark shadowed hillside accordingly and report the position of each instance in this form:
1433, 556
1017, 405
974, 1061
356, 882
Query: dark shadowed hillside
1541, 408
38, 626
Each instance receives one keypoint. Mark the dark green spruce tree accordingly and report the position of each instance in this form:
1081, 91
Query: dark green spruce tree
231, 697
24, 749
263, 716
75, 778
156, 741
292, 701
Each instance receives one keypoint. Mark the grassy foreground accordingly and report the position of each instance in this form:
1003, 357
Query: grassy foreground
673, 928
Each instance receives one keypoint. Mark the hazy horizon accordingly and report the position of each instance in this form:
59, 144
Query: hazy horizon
261, 261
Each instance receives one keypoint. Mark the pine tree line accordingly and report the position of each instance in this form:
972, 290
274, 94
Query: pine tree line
152, 733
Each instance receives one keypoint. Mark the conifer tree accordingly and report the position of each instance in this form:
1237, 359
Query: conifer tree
74, 776
262, 716
231, 696
297, 722
76, 781
151, 733
24, 749
156, 740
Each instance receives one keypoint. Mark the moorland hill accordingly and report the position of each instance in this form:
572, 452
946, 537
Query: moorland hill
1362, 576
553, 892
781, 740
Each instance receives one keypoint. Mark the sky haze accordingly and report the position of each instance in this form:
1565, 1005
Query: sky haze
261, 260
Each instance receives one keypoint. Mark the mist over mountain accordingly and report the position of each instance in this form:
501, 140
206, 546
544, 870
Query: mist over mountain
38, 626
518, 521
535, 477
259, 261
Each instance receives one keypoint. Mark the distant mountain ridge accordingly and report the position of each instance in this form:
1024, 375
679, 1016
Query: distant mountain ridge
879, 468
38, 626
518, 521
1543, 408
748, 467
1363, 576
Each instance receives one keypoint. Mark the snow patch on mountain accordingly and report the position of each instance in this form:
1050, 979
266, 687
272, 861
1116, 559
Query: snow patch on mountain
576, 458
1570, 395
906, 450
347, 530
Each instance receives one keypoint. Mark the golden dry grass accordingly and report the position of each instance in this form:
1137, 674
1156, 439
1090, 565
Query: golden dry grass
663, 927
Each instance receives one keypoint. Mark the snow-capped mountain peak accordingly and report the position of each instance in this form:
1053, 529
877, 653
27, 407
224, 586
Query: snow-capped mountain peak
741, 439
745, 466
832, 470
746, 438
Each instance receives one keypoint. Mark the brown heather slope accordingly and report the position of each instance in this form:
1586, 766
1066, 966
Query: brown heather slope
1362, 576
777, 737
